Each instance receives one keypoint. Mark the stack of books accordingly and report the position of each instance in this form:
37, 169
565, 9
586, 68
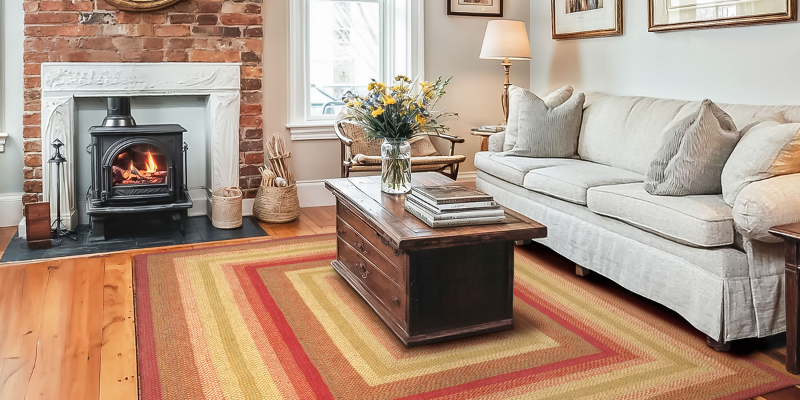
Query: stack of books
453, 205
490, 128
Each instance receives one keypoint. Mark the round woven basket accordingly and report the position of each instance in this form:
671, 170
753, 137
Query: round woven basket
276, 204
226, 208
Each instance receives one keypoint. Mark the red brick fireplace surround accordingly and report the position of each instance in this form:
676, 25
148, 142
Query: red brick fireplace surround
189, 31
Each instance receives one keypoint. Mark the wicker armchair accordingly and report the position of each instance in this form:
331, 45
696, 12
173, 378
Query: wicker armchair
368, 158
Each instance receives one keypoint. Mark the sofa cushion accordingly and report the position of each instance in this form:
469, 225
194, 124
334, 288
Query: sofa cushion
542, 129
702, 220
625, 132
570, 182
513, 169
693, 153
769, 148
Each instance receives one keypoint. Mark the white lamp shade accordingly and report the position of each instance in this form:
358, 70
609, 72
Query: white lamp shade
506, 38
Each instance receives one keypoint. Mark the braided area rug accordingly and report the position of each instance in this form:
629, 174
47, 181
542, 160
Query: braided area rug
273, 320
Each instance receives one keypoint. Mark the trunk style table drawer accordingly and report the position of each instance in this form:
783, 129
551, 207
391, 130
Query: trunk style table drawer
363, 247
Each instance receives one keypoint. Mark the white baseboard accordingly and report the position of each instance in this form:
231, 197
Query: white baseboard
10, 209
313, 194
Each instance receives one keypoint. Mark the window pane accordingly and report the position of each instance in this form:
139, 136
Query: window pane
344, 42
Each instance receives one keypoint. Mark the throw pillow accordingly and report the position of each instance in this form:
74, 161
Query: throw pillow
694, 151
547, 127
516, 93
769, 148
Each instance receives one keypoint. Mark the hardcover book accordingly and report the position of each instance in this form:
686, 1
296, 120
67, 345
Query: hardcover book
450, 194
428, 219
458, 213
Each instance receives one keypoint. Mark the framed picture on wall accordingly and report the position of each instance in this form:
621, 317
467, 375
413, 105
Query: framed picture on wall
475, 8
669, 15
576, 19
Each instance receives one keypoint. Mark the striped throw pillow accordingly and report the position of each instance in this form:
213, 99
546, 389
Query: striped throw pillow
694, 152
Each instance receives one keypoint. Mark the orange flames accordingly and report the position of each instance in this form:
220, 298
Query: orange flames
150, 165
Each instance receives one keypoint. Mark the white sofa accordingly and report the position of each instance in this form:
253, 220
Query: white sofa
714, 264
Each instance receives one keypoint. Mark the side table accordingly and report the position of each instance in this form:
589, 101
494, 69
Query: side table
791, 238
484, 138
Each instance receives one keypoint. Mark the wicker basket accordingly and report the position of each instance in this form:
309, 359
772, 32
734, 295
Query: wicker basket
276, 204
226, 208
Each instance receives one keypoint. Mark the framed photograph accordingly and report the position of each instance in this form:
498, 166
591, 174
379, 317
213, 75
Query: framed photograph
475, 8
576, 19
669, 15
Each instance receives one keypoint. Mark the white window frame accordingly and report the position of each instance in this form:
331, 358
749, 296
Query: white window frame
299, 124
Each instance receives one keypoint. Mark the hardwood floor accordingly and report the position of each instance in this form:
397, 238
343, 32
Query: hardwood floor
67, 328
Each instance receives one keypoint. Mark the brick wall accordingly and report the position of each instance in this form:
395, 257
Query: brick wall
189, 31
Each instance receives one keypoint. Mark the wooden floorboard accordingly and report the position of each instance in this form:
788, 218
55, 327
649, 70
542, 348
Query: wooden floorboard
118, 357
6, 234
67, 328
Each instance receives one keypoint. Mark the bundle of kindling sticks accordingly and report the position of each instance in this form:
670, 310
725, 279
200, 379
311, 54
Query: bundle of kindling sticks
275, 172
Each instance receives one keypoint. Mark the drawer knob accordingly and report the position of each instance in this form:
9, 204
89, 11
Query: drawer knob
342, 233
359, 246
396, 301
362, 269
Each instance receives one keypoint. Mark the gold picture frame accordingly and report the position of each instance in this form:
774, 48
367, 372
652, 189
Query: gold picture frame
142, 5
790, 14
615, 16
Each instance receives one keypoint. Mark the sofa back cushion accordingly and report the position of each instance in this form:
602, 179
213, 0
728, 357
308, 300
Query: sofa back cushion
627, 132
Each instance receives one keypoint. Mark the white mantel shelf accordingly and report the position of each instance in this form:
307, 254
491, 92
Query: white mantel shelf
63, 82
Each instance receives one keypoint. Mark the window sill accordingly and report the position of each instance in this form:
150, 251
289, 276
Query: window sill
322, 130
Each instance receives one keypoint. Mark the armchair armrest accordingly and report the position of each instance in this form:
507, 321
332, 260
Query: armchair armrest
345, 140
767, 203
454, 139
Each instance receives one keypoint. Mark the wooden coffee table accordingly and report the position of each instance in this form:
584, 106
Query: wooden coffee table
426, 284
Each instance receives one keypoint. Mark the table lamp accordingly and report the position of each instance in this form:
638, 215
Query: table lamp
506, 40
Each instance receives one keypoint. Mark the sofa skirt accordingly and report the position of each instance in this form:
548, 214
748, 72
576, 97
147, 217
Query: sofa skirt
711, 288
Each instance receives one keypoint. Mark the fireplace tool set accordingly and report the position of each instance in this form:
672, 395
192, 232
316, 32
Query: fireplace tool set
58, 228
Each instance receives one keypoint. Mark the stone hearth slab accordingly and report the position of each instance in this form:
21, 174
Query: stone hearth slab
134, 233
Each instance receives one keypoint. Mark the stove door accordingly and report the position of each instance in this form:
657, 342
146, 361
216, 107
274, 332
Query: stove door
138, 171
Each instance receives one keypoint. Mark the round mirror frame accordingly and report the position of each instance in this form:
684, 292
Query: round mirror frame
142, 5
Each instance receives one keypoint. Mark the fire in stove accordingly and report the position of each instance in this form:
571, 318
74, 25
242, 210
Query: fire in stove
137, 167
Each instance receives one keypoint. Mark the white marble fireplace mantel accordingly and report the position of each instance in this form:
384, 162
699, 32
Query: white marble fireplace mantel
63, 82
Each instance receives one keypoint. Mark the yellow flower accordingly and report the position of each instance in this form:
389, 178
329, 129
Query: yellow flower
420, 119
402, 78
387, 100
377, 87
378, 111
354, 104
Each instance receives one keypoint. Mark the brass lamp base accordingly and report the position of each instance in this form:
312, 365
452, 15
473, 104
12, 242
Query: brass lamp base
504, 96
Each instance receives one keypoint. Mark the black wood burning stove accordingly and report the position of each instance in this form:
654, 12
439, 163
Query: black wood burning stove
135, 169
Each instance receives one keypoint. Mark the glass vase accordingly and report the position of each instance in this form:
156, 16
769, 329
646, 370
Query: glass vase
396, 166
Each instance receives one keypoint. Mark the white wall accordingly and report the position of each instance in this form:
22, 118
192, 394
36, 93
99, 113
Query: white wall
11, 28
753, 64
452, 46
